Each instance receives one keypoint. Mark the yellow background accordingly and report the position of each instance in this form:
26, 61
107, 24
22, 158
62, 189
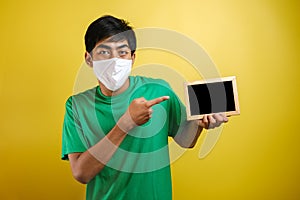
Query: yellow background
257, 155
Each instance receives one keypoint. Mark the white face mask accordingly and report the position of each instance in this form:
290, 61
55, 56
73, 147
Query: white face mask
113, 73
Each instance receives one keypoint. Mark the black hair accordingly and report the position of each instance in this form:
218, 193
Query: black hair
108, 26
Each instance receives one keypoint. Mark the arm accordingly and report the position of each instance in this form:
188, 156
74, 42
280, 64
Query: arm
190, 133
88, 164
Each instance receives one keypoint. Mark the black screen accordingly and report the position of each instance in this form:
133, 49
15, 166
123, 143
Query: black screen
211, 98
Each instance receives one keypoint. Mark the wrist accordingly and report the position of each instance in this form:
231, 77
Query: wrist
126, 123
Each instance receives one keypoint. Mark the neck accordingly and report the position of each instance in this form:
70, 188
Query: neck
110, 93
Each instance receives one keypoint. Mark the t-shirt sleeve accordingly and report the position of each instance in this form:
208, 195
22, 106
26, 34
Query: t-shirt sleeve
72, 131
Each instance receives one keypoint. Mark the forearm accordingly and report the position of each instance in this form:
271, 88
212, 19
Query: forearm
87, 165
191, 131
189, 134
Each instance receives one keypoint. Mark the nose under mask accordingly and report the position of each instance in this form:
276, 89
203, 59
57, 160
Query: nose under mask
112, 73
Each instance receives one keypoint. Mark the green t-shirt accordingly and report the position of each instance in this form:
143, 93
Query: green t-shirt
140, 168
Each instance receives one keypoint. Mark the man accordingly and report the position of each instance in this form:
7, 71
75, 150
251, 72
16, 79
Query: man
116, 134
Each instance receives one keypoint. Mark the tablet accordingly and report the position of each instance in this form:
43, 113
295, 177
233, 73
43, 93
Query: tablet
210, 96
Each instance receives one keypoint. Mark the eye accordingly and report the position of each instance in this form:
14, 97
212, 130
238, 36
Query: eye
103, 52
123, 53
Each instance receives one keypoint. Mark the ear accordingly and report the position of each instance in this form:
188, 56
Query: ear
88, 59
133, 58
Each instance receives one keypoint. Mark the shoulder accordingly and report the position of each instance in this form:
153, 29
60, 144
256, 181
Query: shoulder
82, 96
142, 80
152, 87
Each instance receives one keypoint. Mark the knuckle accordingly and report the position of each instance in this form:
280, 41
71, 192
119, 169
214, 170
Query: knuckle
141, 99
135, 100
213, 119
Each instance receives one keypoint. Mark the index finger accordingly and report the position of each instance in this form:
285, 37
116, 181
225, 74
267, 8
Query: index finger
156, 101
221, 117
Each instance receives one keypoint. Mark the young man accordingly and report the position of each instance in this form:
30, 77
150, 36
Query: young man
116, 134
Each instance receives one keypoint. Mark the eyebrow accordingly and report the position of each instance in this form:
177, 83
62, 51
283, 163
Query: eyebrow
108, 47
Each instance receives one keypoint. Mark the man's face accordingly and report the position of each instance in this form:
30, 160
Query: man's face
106, 50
